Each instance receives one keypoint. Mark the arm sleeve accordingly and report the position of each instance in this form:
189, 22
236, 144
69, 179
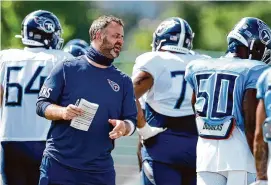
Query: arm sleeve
262, 86
129, 109
51, 89
150, 64
253, 76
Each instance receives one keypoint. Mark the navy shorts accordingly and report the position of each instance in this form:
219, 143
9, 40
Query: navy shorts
20, 162
54, 173
156, 173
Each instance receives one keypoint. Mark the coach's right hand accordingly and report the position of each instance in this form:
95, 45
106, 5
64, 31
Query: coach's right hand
71, 111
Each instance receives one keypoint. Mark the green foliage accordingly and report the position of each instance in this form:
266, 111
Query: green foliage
211, 21
219, 20
75, 18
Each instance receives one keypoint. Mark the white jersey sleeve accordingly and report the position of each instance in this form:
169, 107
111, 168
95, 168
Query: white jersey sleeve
170, 94
22, 76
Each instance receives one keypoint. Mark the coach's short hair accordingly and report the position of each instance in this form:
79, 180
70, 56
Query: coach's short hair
101, 23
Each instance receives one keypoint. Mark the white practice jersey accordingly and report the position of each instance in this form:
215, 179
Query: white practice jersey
170, 94
22, 73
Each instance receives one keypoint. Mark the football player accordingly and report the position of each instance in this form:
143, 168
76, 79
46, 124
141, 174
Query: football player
169, 130
22, 73
76, 47
224, 98
263, 123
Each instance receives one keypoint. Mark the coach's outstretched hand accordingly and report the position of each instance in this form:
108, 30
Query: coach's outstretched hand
119, 128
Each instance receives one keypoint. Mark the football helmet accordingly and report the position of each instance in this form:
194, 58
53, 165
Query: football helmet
255, 35
78, 42
173, 34
41, 29
75, 50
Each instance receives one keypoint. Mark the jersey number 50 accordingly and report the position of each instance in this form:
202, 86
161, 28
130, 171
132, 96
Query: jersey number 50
28, 88
223, 93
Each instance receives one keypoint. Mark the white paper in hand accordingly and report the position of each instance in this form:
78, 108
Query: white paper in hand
84, 121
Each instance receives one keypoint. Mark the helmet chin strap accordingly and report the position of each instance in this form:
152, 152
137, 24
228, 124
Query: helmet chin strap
159, 46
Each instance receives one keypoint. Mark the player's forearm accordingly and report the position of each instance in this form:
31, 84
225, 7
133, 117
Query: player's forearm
140, 116
250, 130
260, 147
261, 158
249, 109
250, 141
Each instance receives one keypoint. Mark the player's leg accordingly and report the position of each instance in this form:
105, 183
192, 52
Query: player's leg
210, 178
12, 164
189, 176
34, 151
147, 173
240, 177
166, 174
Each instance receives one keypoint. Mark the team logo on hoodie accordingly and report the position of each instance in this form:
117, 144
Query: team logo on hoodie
114, 85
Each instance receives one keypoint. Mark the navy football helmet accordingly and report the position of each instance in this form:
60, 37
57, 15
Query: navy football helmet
75, 50
173, 34
41, 29
255, 35
77, 42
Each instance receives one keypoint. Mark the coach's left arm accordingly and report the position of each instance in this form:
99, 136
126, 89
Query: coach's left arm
127, 123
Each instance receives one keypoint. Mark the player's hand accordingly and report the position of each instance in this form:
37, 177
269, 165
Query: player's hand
71, 111
119, 128
148, 131
260, 182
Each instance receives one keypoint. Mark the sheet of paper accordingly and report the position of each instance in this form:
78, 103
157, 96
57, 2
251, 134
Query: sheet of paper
84, 121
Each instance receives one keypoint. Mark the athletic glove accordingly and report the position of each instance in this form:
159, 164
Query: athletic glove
148, 131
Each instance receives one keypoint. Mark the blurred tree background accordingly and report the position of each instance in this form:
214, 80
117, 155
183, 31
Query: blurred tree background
211, 21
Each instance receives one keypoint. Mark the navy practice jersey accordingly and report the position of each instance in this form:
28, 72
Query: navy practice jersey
110, 89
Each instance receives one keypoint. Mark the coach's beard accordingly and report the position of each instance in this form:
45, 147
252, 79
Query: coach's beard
113, 53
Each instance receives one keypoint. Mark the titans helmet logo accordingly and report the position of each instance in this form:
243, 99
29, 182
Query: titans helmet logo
264, 33
164, 26
45, 24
